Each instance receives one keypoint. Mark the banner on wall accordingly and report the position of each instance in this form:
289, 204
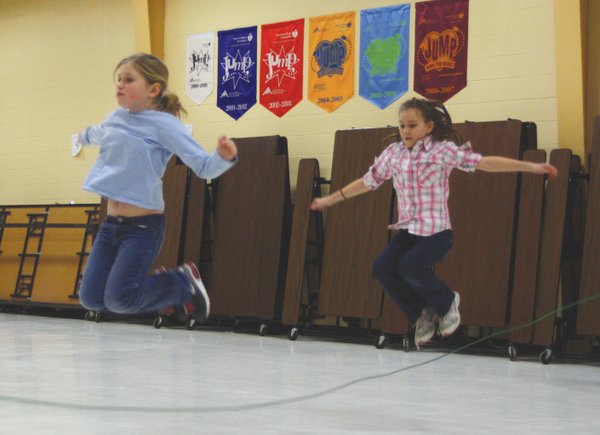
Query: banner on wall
199, 66
236, 88
441, 36
282, 60
383, 57
331, 71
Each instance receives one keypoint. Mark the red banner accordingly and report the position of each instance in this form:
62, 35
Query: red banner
441, 36
282, 60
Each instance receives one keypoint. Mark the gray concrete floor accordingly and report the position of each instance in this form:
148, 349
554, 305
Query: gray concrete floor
69, 376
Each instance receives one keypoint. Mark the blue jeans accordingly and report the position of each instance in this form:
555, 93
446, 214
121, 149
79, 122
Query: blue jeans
405, 269
116, 276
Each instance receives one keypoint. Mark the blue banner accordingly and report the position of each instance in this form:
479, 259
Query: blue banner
383, 76
236, 89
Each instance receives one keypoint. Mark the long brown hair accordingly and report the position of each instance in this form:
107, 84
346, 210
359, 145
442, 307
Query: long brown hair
154, 71
435, 111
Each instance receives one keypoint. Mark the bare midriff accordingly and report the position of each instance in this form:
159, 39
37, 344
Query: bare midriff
118, 208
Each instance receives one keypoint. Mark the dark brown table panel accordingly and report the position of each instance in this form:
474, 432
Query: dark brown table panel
529, 222
482, 211
588, 314
394, 321
196, 219
174, 189
251, 235
356, 230
308, 172
553, 224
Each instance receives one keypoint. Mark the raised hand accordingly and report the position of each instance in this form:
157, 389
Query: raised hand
226, 148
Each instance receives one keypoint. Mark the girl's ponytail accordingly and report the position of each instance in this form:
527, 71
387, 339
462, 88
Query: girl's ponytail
170, 103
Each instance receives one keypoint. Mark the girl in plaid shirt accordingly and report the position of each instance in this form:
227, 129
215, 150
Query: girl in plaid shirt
420, 166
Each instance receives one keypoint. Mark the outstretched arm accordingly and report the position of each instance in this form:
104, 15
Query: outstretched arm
90, 135
504, 164
355, 188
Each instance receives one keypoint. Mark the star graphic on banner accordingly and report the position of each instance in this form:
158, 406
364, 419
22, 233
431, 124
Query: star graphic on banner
237, 68
281, 65
200, 60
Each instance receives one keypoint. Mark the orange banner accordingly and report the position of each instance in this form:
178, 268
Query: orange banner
331, 48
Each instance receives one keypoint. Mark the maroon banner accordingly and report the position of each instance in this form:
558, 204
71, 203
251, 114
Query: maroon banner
441, 36
281, 53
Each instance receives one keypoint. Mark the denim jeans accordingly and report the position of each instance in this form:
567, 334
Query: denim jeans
116, 276
405, 269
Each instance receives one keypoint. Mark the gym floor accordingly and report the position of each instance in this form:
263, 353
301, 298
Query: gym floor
70, 376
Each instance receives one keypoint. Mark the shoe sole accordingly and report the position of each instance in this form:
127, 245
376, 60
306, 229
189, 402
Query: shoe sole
181, 313
191, 271
425, 339
420, 343
448, 333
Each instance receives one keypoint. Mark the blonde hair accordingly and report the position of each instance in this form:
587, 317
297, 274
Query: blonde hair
154, 71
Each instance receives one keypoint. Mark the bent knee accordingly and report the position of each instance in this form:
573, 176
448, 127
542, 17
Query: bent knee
119, 302
90, 300
382, 268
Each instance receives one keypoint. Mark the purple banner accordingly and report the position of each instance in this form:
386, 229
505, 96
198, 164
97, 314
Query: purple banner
236, 89
441, 36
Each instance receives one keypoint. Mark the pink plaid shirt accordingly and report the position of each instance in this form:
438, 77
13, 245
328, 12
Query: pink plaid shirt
421, 182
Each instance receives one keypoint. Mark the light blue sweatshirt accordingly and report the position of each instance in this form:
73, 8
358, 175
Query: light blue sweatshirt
134, 151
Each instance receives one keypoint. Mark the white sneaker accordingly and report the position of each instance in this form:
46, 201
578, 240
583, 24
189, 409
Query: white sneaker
451, 320
425, 327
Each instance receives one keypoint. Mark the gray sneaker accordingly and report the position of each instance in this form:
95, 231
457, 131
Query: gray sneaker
425, 327
451, 320
200, 300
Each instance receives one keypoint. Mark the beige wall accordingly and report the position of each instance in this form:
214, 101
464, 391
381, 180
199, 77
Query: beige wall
59, 57
569, 73
57, 61
592, 96
511, 72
